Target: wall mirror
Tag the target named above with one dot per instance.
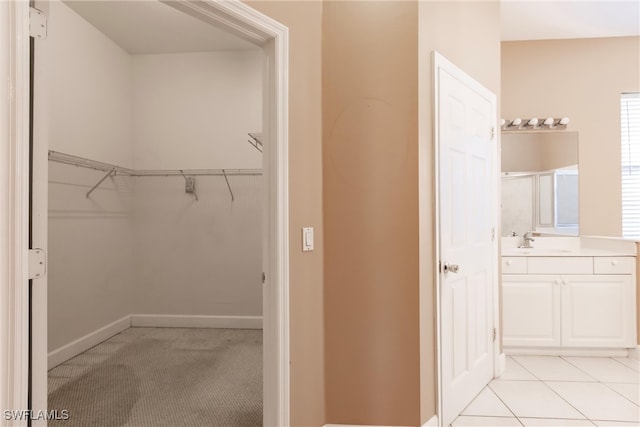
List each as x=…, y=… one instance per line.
x=539, y=182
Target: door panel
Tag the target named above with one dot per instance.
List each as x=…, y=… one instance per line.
x=465, y=119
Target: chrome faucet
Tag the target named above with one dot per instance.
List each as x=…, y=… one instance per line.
x=527, y=239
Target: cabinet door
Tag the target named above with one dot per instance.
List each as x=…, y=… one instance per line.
x=598, y=311
x=531, y=310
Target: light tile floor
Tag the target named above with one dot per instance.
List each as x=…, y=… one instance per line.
x=559, y=392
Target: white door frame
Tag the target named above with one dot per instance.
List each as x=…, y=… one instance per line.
x=14, y=206
x=233, y=16
x=440, y=62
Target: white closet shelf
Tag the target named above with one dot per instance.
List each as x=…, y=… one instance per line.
x=111, y=169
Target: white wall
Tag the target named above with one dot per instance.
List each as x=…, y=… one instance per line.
x=194, y=110
x=90, y=89
x=91, y=249
x=199, y=258
x=142, y=245
x=88, y=85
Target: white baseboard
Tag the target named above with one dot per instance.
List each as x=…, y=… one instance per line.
x=84, y=343
x=433, y=421
x=183, y=321
x=594, y=352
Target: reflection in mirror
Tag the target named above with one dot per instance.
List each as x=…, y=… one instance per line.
x=540, y=183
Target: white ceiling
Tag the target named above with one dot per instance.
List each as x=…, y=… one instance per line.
x=153, y=27
x=568, y=19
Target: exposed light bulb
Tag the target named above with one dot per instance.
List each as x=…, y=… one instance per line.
x=548, y=121
x=516, y=122
x=502, y=122
x=564, y=121
x=532, y=122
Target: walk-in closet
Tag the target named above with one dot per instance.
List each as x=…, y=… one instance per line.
x=153, y=120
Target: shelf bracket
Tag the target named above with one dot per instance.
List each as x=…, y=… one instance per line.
x=111, y=172
x=190, y=185
x=255, y=141
x=228, y=185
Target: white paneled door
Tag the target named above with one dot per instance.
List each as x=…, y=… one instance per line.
x=467, y=181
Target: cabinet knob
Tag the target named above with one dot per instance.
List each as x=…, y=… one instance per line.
x=509, y=262
x=614, y=262
x=564, y=282
x=556, y=282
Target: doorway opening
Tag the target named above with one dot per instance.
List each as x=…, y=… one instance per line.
x=159, y=212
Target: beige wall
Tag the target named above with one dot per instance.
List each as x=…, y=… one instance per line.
x=468, y=34
x=370, y=107
x=305, y=205
x=581, y=79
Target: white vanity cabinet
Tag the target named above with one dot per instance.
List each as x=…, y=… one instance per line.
x=597, y=311
x=530, y=310
x=572, y=302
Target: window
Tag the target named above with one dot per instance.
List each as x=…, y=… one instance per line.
x=630, y=113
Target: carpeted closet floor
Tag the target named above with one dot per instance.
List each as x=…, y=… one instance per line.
x=163, y=377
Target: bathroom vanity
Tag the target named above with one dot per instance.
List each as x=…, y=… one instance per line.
x=569, y=294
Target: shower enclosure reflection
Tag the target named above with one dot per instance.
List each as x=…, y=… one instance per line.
x=540, y=183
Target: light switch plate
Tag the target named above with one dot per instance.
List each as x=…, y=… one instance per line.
x=307, y=239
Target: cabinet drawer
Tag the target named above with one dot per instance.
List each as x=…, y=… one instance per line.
x=614, y=265
x=514, y=265
x=560, y=265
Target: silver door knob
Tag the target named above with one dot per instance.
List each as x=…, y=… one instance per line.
x=450, y=268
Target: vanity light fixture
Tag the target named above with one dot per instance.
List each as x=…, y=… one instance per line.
x=515, y=122
x=519, y=124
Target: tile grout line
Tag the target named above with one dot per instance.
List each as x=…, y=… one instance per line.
x=620, y=394
x=581, y=370
x=525, y=368
x=504, y=403
x=626, y=366
x=568, y=403
x=546, y=385
x=604, y=383
x=469, y=404
x=562, y=419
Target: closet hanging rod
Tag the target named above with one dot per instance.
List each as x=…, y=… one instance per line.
x=198, y=172
x=69, y=159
